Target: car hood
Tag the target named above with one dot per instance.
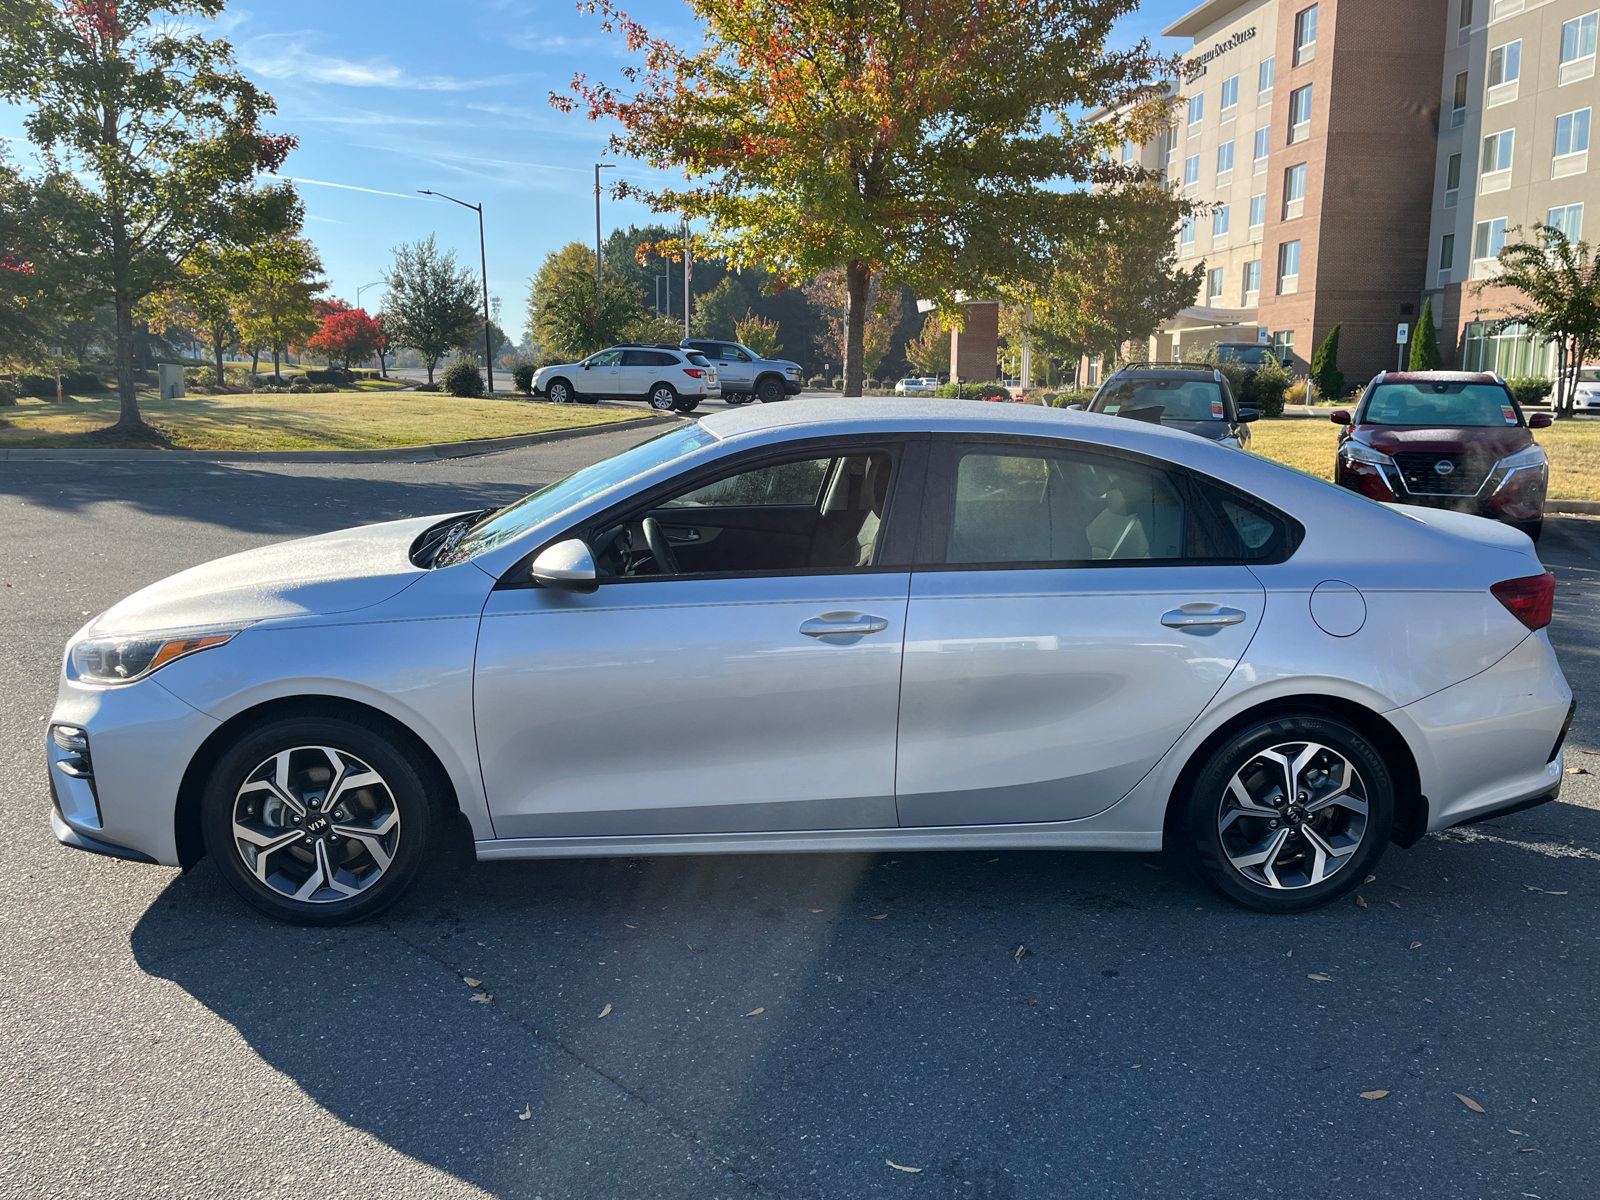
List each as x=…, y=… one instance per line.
x=316, y=576
x=1495, y=441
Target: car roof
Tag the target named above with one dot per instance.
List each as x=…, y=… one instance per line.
x=1436, y=377
x=1192, y=374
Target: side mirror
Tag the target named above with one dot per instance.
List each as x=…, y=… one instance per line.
x=585, y=366
x=1340, y=416
x=1076, y=408
x=567, y=567
x=1246, y=415
x=1540, y=421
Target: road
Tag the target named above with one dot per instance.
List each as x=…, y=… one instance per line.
x=1150, y=1041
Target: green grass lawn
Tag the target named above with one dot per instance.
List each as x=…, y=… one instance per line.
x=326, y=421
x=1309, y=443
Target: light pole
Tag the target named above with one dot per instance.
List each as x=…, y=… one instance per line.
x=598, y=167
x=483, y=262
x=363, y=288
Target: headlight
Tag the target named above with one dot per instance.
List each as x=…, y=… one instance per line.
x=1356, y=452
x=127, y=658
x=1533, y=456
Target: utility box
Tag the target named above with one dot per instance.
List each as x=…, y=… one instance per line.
x=170, y=378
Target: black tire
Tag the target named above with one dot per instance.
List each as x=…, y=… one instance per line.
x=688, y=404
x=771, y=390
x=559, y=391
x=733, y=399
x=585, y=398
x=294, y=859
x=662, y=397
x=1218, y=831
x=1532, y=528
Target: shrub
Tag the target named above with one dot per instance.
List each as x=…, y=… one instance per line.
x=8, y=393
x=1425, y=354
x=462, y=378
x=522, y=377
x=1068, y=399
x=269, y=388
x=300, y=388
x=816, y=383
x=335, y=375
x=44, y=386
x=1325, y=371
x=426, y=387
x=325, y=387
x=973, y=391
x=1529, y=389
x=1297, y=392
x=1265, y=389
x=838, y=383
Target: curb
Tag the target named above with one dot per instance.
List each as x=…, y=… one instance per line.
x=1579, y=508
x=435, y=452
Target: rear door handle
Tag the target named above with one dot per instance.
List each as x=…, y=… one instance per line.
x=843, y=624
x=1195, y=616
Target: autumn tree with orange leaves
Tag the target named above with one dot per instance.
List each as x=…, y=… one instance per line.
x=929, y=143
x=162, y=137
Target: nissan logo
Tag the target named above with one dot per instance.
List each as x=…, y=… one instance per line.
x=1443, y=467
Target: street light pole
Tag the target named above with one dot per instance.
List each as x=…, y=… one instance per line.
x=364, y=287
x=597, y=285
x=483, y=262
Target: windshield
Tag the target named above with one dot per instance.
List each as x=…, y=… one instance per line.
x=1442, y=403
x=1178, y=399
x=548, y=502
x=1589, y=375
x=1250, y=355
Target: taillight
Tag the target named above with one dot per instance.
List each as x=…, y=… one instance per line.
x=694, y=371
x=1529, y=599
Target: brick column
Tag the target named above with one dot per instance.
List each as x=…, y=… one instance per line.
x=975, y=350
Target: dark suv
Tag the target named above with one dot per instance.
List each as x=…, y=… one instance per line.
x=1446, y=439
x=1195, y=399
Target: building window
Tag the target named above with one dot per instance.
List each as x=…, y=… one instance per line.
x=1512, y=353
x=1288, y=268
x=1497, y=148
x=1489, y=239
x=1305, y=35
x=1224, y=158
x=1263, y=148
x=1264, y=75
x=1220, y=220
x=1466, y=14
x=1568, y=219
x=1294, y=192
x=1258, y=211
x=1197, y=109
x=1300, y=114
x=1191, y=170
x=1283, y=345
x=1505, y=64
x=1572, y=132
x=1127, y=152
x=1169, y=150
x=1452, y=182
x=1458, y=103
x=1230, y=93
x=1447, y=252
x=1186, y=234
x=1214, y=290
x=1252, y=281
x=1578, y=37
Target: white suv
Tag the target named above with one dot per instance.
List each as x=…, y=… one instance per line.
x=670, y=378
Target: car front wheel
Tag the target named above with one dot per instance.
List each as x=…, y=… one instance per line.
x=559, y=392
x=770, y=390
x=1290, y=813
x=663, y=397
x=318, y=820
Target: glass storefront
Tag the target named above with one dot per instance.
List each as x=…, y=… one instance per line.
x=1512, y=353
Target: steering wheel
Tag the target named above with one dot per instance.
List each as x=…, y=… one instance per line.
x=660, y=549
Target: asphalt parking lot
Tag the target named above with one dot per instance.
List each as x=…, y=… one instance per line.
x=830, y=1026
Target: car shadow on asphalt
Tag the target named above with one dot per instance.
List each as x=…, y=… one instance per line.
x=705, y=1026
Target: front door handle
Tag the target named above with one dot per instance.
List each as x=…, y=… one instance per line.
x=843, y=624
x=1196, y=616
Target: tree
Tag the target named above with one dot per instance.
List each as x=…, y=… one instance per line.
x=758, y=334
x=829, y=292
x=1425, y=354
x=562, y=316
x=350, y=335
x=929, y=351
x=1325, y=371
x=1560, y=284
x=204, y=296
x=921, y=141
x=432, y=303
x=279, y=307
x=716, y=312
x=163, y=131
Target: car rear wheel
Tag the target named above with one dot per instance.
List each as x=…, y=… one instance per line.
x=559, y=392
x=318, y=820
x=770, y=390
x=1290, y=813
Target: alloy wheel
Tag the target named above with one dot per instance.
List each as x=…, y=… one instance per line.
x=316, y=824
x=663, y=399
x=558, y=393
x=1294, y=815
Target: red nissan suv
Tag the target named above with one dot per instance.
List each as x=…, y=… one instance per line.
x=1446, y=439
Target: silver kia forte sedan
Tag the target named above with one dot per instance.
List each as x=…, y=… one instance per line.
x=839, y=625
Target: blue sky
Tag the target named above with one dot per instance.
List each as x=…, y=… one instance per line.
x=391, y=97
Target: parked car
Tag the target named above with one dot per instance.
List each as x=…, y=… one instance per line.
x=1250, y=354
x=1446, y=439
x=669, y=378
x=917, y=385
x=1195, y=399
x=745, y=375
x=922, y=625
x=1586, y=392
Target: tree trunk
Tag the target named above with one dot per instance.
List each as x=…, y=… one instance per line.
x=432, y=362
x=129, y=417
x=216, y=341
x=858, y=281
x=255, y=364
x=277, y=376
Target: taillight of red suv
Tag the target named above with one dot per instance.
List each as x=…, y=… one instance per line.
x=1529, y=599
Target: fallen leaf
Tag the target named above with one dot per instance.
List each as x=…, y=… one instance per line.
x=1577, y=770
x=907, y=1170
x=526, y=1113
x=992, y=860
x=1152, y=866
x=1136, y=1066
x=1525, y=1150
x=813, y=910
x=1396, y=903
x=879, y=917
x=1470, y=1103
x=755, y=1012
x=482, y=998
x=470, y=981
x=1031, y=1003
x=1402, y=887
x=1022, y=953
x=1321, y=978
x=1379, y=1094
x=604, y=1012
x=1361, y=901
x=1531, y=888
x=1290, y=954
x=630, y=926
x=1369, y=879
x=1518, y=1132
x=1416, y=945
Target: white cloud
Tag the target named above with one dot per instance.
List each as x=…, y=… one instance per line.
x=293, y=63
x=347, y=187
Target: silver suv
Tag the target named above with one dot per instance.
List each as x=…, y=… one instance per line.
x=746, y=376
x=669, y=378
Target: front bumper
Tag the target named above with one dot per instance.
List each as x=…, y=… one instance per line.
x=1516, y=495
x=794, y=387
